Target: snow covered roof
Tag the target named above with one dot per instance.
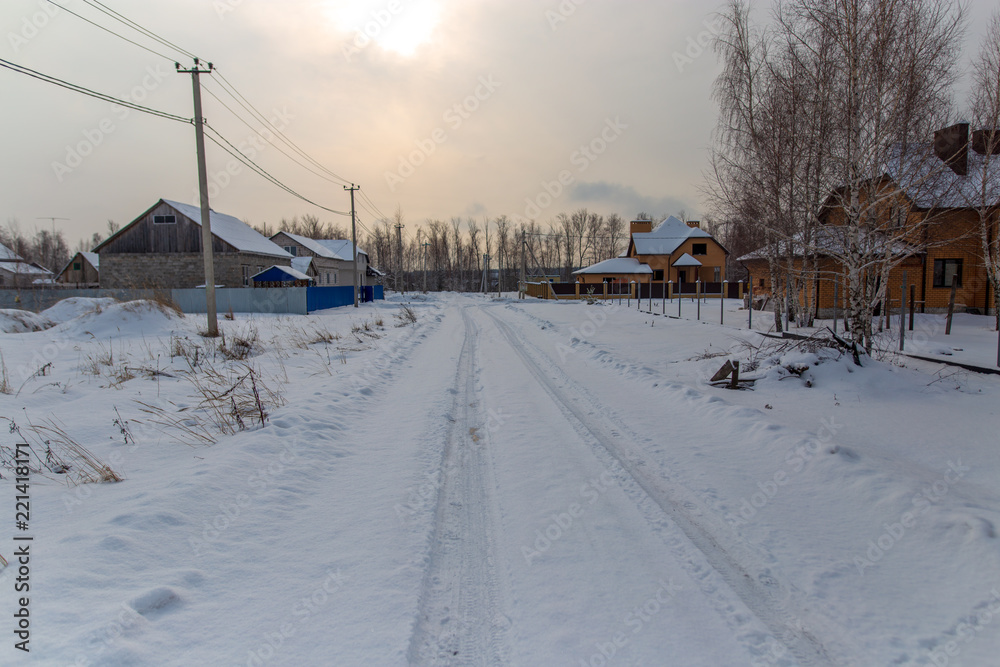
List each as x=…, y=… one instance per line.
x=667, y=237
x=8, y=255
x=232, y=230
x=832, y=240
x=23, y=269
x=302, y=264
x=331, y=248
x=287, y=270
x=342, y=249
x=686, y=260
x=93, y=258
x=617, y=265
x=929, y=182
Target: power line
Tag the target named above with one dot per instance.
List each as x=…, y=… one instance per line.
x=121, y=18
x=238, y=154
x=259, y=134
x=250, y=108
x=87, y=91
x=109, y=30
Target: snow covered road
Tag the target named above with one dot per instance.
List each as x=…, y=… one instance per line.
x=492, y=487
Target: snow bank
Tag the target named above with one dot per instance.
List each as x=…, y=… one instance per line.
x=13, y=320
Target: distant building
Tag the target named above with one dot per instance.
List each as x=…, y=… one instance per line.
x=934, y=230
x=81, y=271
x=162, y=249
x=15, y=271
x=331, y=260
x=674, y=251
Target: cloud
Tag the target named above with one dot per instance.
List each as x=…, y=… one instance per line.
x=625, y=198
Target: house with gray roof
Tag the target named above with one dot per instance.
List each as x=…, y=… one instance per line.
x=162, y=248
x=15, y=271
x=330, y=260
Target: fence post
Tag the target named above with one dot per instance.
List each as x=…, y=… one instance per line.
x=913, y=300
x=679, y=300
x=605, y=288
x=750, y=304
x=697, y=296
x=722, y=299
x=836, y=304
x=650, y=296
x=902, y=313
x=951, y=306
x=741, y=291
x=577, y=291
x=663, y=298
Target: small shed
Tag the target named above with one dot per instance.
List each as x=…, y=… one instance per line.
x=82, y=270
x=281, y=276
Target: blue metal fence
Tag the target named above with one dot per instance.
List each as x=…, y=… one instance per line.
x=321, y=298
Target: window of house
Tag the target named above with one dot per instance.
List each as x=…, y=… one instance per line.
x=760, y=282
x=658, y=275
x=334, y=277
x=76, y=266
x=328, y=278
x=164, y=219
x=292, y=250
x=946, y=270
x=717, y=276
x=699, y=248
x=246, y=274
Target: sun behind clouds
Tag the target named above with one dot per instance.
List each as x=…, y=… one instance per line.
x=400, y=26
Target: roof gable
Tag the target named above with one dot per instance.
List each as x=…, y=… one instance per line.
x=666, y=238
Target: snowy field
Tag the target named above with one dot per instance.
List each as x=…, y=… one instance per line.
x=497, y=482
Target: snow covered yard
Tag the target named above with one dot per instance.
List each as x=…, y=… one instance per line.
x=498, y=482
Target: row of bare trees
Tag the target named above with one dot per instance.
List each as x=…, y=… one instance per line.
x=816, y=108
x=471, y=254
x=42, y=246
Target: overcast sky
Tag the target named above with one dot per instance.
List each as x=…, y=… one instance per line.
x=450, y=108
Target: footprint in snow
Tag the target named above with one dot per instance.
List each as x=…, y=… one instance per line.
x=156, y=602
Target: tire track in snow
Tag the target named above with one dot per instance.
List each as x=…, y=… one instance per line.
x=766, y=597
x=462, y=610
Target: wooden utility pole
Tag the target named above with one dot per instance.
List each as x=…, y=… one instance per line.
x=206, y=212
x=524, y=264
x=424, y=246
x=354, y=240
x=401, y=283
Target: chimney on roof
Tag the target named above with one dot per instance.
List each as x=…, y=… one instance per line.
x=696, y=224
x=952, y=145
x=640, y=226
x=986, y=142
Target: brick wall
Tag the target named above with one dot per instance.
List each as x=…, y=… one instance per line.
x=178, y=270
